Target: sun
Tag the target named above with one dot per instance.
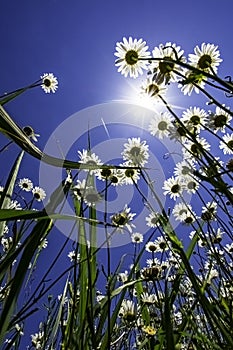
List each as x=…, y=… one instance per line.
x=131, y=93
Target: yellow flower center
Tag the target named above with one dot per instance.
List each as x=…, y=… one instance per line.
x=204, y=61
x=152, y=90
x=129, y=173
x=230, y=144
x=166, y=67
x=162, y=125
x=120, y=219
x=220, y=120
x=47, y=82
x=195, y=120
x=135, y=151
x=131, y=57
x=175, y=188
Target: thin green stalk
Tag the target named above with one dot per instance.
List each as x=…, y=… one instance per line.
x=6, y=195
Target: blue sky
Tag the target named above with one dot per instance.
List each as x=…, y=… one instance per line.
x=76, y=41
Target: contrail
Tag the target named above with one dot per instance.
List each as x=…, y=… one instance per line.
x=105, y=127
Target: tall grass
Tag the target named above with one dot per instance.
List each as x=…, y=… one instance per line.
x=177, y=292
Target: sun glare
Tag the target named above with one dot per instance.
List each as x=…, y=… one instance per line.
x=132, y=93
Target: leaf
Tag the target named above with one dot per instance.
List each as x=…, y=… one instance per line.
x=5, y=198
x=15, y=133
x=40, y=230
x=54, y=332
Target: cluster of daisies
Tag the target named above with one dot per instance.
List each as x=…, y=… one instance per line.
x=38, y=194
x=165, y=64
x=186, y=178
x=206, y=221
x=211, y=261
x=158, y=275
x=134, y=155
x=26, y=185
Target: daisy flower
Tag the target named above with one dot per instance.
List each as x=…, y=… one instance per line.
x=192, y=82
x=38, y=193
x=114, y=176
x=151, y=89
x=105, y=174
x=49, y=83
x=117, y=177
x=206, y=57
x=151, y=247
x=174, y=260
x=194, y=117
x=5, y=230
x=123, y=276
x=229, y=248
x=130, y=176
x=30, y=133
x=152, y=262
x=178, y=132
x=190, y=184
x=213, y=168
x=14, y=205
x=210, y=274
x=217, y=235
x=137, y=238
x=151, y=273
x=44, y=243
x=6, y=243
x=183, y=213
x=161, y=244
x=73, y=256
x=180, y=210
x=219, y=120
x=123, y=218
x=178, y=318
x=153, y=220
x=38, y=340
x=25, y=184
x=19, y=329
x=87, y=193
x=128, y=311
x=99, y=297
x=91, y=196
x=148, y=299
x=160, y=125
x=173, y=187
x=128, y=53
x=69, y=179
x=195, y=149
x=136, y=151
x=209, y=211
x=79, y=189
x=184, y=168
x=165, y=70
x=213, y=251
x=227, y=144
x=201, y=242
x=88, y=158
